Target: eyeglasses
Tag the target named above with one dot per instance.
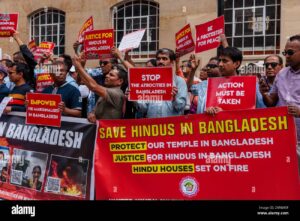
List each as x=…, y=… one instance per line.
x=273, y=64
x=210, y=66
x=288, y=52
x=103, y=63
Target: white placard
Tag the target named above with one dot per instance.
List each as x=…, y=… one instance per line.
x=132, y=40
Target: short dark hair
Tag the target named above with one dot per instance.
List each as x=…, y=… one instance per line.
x=274, y=55
x=152, y=61
x=168, y=51
x=214, y=59
x=294, y=38
x=67, y=60
x=21, y=68
x=232, y=52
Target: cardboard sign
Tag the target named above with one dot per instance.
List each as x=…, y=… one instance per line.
x=208, y=34
x=98, y=43
x=131, y=40
x=87, y=26
x=184, y=41
x=43, y=109
x=8, y=23
x=150, y=84
x=234, y=155
x=231, y=93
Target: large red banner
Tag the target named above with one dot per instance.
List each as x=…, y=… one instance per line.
x=46, y=163
x=231, y=93
x=241, y=155
x=42, y=109
x=150, y=84
x=8, y=24
x=98, y=43
x=184, y=40
x=207, y=34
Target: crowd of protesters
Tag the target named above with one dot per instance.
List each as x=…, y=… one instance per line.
x=101, y=92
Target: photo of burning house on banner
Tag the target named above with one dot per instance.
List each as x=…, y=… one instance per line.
x=4, y=161
x=28, y=169
x=67, y=176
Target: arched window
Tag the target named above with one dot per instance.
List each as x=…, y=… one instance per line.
x=253, y=25
x=49, y=25
x=134, y=15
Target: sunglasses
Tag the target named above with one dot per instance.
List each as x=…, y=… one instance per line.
x=288, y=52
x=103, y=63
x=273, y=64
x=209, y=66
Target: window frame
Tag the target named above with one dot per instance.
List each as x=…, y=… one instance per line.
x=58, y=22
x=120, y=9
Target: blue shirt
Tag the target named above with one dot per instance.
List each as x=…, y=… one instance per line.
x=70, y=95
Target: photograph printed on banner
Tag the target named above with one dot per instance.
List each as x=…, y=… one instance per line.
x=4, y=162
x=67, y=176
x=28, y=169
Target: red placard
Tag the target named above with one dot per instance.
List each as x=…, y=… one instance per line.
x=207, y=34
x=8, y=24
x=43, y=109
x=43, y=80
x=240, y=155
x=231, y=93
x=98, y=43
x=150, y=84
x=87, y=26
x=184, y=40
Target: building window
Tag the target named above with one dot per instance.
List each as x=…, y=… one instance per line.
x=135, y=15
x=253, y=25
x=49, y=25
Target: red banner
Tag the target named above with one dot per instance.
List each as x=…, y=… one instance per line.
x=184, y=40
x=8, y=23
x=207, y=34
x=32, y=46
x=46, y=163
x=43, y=80
x=98, y=43
x=87, y=26
x=44, y=48
x=43, y=109
x=150, y=84
x=231, y=93
x=240, y=155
